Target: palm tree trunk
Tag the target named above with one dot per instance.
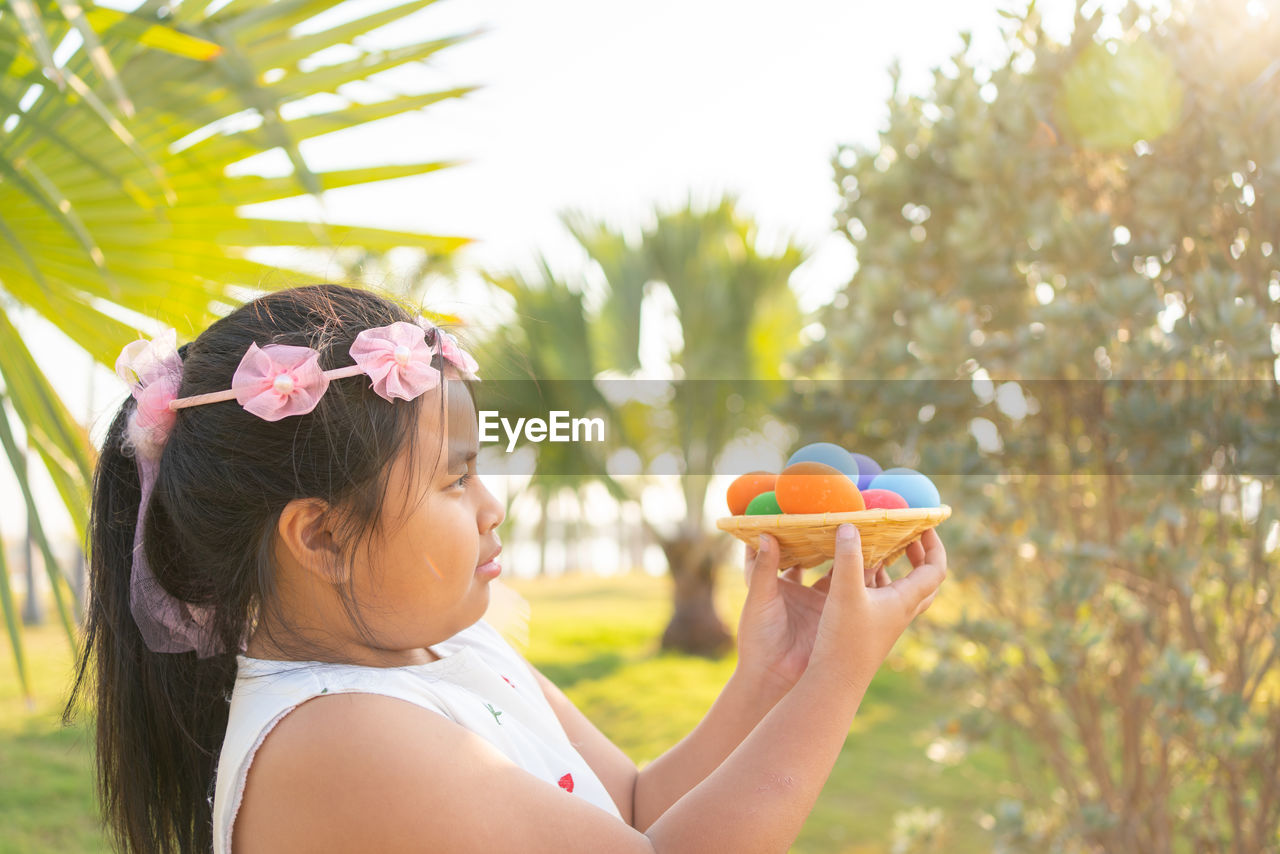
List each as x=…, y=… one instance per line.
x=695, y=627
x=573, y=536
x=640, y=544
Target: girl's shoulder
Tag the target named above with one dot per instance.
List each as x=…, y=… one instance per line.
x=366, y=773
x=483, y=693
x=329, y=734
x=284, y=703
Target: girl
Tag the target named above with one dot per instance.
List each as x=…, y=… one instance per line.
x=291, y=560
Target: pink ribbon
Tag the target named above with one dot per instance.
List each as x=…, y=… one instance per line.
x=153, y=370
x=279, y=380
x=398, y=360
x=167, y=624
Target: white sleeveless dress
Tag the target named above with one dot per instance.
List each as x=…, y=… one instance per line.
x=481, y=682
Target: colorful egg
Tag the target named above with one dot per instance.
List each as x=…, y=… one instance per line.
x=883, y=499
x=747, y=487
x=828, y=454
x=911, y=485
x=813, y=487
x=764, y=504
x=867, y=470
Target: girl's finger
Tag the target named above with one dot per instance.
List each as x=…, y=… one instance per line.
x=917, y=585
x=934, y=552
x=924, y=606
x=823, y=584
x=794, y=573
x=762, y=578
x=915, y=553
x=846, y=587
x=882, y=577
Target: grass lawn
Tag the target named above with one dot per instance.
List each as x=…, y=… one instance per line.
x=597, y=639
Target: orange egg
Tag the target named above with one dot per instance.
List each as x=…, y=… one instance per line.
x=747, y=487
x=809, y=487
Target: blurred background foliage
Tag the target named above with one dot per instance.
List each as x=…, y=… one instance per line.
x=117, y=207
x=1092, y=212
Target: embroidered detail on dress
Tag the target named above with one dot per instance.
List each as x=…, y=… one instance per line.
x=494, y=712
x=566, y=782
x=508, y=681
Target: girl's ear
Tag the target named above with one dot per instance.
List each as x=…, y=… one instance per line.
x=304, y=538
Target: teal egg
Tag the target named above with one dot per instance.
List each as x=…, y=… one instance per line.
x=764, y=504
x=917, y=489
x=829, y=454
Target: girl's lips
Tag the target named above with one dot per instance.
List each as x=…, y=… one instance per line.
x=491, y=567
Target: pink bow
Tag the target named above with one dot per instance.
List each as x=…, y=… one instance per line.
x=397, y=359
x=279, y=380
x=460, y=358
x=153, y=370
x=452, y=353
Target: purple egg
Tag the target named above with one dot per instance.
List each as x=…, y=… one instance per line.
x=867, y=470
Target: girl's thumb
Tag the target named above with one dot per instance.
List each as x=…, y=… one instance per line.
x=847, y=581
x=762, y=575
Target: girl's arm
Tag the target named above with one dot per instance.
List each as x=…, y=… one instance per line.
x=366, y=772
x=614, y=768
x=642, y=796
x=742, y=704
x=771, y=642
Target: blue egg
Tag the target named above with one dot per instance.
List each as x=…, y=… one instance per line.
x=867, y=470
x=826, y=452
x=911, y=485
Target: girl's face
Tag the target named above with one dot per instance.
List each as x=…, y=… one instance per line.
x=418, y=583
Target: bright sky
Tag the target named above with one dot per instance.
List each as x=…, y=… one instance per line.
x=613, y=108
x=616, y=107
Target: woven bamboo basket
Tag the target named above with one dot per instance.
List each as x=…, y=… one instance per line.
x=808, y=539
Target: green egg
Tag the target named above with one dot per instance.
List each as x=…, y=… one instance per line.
x=764, y=504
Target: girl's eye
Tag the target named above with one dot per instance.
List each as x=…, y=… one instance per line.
x=462, y=481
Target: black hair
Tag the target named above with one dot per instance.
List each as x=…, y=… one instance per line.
x=223, y=479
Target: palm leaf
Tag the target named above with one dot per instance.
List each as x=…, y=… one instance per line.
x=101, y=61
x=150, y=33
x=56, y=580
x=13, y=623
x=103, y=212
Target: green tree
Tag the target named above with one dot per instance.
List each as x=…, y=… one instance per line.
x=1045, y=250
x=737, y=318
x=115, y=198
x=548, y=340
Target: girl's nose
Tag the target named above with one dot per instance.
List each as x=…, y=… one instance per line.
x=492, y=511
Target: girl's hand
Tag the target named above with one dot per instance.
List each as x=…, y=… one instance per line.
x=781, y=615
x=860, y=625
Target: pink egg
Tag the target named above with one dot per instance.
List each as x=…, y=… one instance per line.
x=883, y=499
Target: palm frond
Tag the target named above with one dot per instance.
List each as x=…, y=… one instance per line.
x=115, y=196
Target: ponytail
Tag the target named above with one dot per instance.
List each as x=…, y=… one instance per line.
x=160, y=717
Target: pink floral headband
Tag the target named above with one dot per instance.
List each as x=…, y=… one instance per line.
x=271, y=382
